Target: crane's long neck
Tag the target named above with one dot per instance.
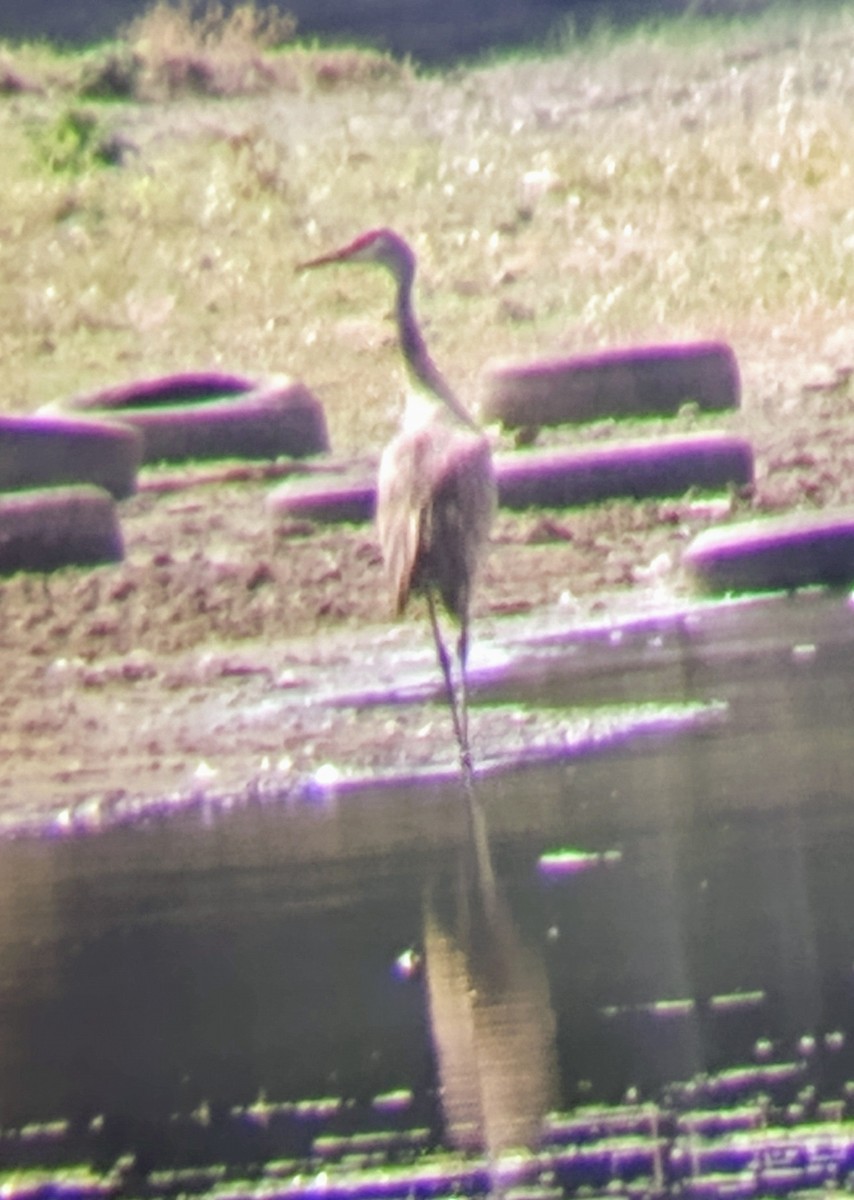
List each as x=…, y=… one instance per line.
x=421, y=367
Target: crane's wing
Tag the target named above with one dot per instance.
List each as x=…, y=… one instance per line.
x=403, y=496
x=435, y=502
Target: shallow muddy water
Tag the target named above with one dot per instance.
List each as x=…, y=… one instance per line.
x=639, y=968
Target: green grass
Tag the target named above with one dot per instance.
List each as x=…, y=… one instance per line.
x=690, y=179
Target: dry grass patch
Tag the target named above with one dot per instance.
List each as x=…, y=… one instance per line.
x=179, y=49
x=174, y=49
x=688, y=181
x=182, y=49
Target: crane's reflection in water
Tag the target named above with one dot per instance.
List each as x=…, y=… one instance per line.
x=490, y=1008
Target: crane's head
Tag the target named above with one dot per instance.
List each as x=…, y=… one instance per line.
x=382, y=246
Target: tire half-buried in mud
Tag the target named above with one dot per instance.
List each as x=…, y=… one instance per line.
x=48, y=528
x=47, y=450
x=209, y=415
x=634, y=470
x=635, y=382
x=552, y=478
x=775, y=553
x=347, y=501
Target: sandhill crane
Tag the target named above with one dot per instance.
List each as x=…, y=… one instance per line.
x=436, y=490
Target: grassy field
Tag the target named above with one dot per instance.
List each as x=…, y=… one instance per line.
x=690, y=179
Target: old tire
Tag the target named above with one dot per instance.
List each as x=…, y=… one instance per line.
x=184, y=387
x=351, y=501
x=638, y=470
x=42, y=451
x=45, y=529
x=552, y=478
x=210, y=415
x=775, y=553
x=637, y=382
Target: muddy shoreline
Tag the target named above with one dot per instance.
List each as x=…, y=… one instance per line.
x=175, y=671
x=196, y=668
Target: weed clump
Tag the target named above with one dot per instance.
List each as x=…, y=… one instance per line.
x=351, y=67
x=201, y=48
x=179, y=49
x=113, y=74
x=13, y=81
x=76, y=140
x=175, y=49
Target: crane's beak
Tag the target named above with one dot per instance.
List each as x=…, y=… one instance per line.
x=335, y=256
x=363, y=249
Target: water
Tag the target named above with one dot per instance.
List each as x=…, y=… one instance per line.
x=652, y=962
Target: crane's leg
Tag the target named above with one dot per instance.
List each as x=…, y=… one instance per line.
x=463, y=655
x=458, y=715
